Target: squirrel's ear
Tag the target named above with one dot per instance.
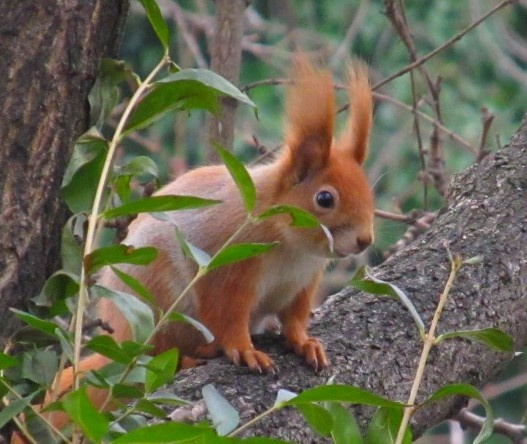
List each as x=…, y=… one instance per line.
x=355, y=138
x=310, y=114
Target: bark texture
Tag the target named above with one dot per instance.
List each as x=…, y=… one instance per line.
x=226, y=56
x=373, y=343
x=50, y=52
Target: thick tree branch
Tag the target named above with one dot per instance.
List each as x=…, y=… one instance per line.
x=372, y=341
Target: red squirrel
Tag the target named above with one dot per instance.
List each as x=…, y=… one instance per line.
x=315, y=172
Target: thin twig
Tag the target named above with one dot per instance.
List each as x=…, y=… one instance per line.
x=516, y=432
x=429, y=341
x=445, y=45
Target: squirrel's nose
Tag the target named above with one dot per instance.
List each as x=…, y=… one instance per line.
x=364, y=241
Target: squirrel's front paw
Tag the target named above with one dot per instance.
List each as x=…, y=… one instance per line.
x=256, y=360
x=313, y=352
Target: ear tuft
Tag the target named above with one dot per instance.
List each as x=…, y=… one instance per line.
x=356, y=136
x=310, y=114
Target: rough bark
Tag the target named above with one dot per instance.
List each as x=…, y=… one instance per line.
x=373, y=343
x=226, y=55
x=50, y=52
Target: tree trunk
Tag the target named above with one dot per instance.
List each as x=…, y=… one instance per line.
x=373, y=343
x=226, y=56
x=50, y=52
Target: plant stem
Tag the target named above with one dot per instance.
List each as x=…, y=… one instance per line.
x=93, y=219
x=429, y=341
x=253, y=421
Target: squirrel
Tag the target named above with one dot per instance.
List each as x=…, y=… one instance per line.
x=316, y=173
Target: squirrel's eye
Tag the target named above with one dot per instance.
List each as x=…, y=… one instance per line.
x=325, y=199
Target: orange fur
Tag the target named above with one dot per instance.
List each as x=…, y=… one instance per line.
x=234, y=301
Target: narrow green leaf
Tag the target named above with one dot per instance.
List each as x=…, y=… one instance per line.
x=238, y=252
x=300, y=218
x=127, y=392
x=14, y=408
x=84, y=169
x=156, y=20
x=345, y=428
x=472, y=392
x=118, y=254
x=491, y=337
x=59, y=286
x=240, y=175
x=7, y=361
x=80, y=409
x=224, y=416
x=341, y=393
x=168, y=432
x=138, y=314
x=39, y=366
x=318, y=418
x=140, y=166
x=364, y=281
x=106, y=346
x=148, y=407
x=48, y=327
x=191, y=251
x=180, y=317
x=70, y=250
x=158, y=203
x=161, y=369
x=105, y=93
x=134, y=285
x=384, y=427
x=185, y=90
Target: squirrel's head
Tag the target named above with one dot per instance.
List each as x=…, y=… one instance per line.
x=324, y=175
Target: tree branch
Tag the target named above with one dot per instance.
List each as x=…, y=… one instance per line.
x=372, y=342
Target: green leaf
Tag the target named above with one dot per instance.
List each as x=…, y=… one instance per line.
x=138, y=314
x=14, y=408
x=106, y=346
x=126, y=392
x=191, y=251
x=140, y=166
x=80, y=409
x=491, y=337
x=7, y=361
x=84, y=170
x=238, y=252
x=317, y=417
x=105, y=93
x=224, y=416
x=39, y=366
x=158, y=203
x=180, y=317
x=384, y=427
x=118, y=254
x=48, y=327
x=341, y=393
x=148, y=407
x=70, y=251
x=161, y=369
x=156, y=20
x=185, y=90
x=168, y=432
x=134, y=285
x=364, y=281
x=345, y=429
x=300, y=218
x=472, y=392
x=59, y=286
x=240, y=175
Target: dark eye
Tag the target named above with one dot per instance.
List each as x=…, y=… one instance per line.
x=325, y=199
